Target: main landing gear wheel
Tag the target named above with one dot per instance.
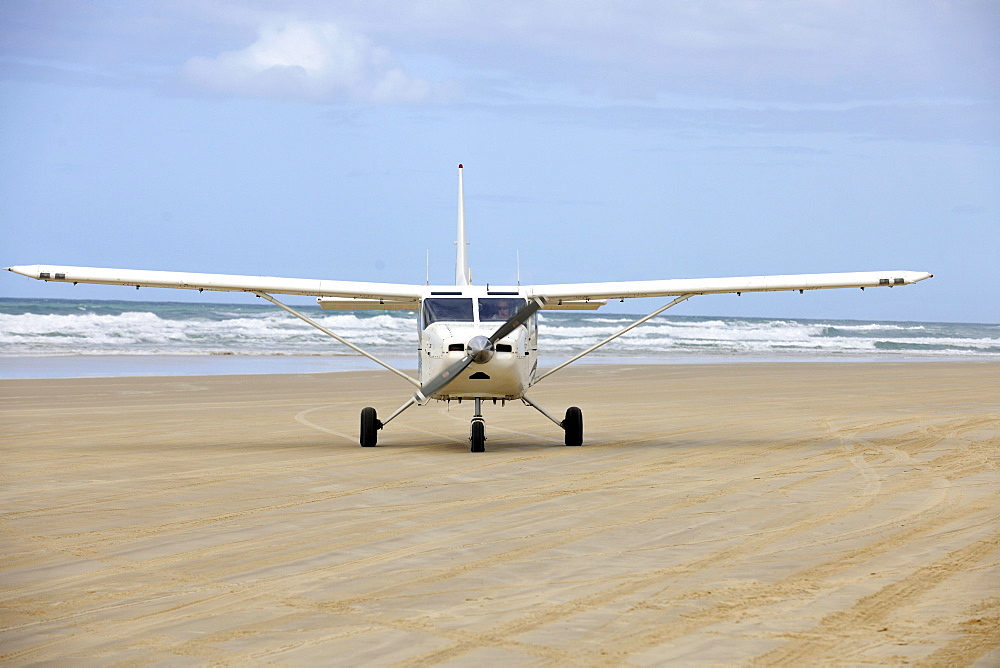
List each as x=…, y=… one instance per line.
x=478, y=437
x=573, y=425
x=369, y=427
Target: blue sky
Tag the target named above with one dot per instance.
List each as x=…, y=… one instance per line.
x=601, y=140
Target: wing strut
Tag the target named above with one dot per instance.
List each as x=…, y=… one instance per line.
x=613, y=337
x=347, y=343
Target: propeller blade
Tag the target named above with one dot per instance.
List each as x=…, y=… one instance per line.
x=440, y=381
x=518, y=318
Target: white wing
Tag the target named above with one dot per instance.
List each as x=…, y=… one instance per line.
x=704, y=286
x=395, y=292
x=407, y=296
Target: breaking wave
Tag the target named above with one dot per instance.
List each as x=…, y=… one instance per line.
x=78, y=327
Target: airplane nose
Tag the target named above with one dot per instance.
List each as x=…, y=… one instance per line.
x=481, y=349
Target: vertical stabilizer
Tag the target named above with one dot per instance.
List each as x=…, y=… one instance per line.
x=461, y=263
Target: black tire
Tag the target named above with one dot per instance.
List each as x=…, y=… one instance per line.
x=478, y=438
x=369, y=427
x=573, y=425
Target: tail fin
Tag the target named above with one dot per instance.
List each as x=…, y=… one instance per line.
x=462, y=274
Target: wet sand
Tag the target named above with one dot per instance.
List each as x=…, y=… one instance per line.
x=781, y=514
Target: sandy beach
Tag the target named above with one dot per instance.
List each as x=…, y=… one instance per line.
x=776, y=514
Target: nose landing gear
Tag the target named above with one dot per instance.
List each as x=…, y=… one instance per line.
x=477, y=438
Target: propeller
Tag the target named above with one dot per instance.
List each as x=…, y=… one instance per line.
x=479, y=349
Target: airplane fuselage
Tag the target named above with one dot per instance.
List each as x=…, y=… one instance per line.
x=458, y=322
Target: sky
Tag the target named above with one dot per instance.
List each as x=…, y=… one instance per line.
x=602, y=141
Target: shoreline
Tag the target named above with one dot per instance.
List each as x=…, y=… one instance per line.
x=128, y=366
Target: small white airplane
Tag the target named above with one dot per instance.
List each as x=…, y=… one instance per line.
x=476, y=342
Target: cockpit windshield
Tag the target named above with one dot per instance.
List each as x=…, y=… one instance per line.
x=498, y=309
x=452, y=310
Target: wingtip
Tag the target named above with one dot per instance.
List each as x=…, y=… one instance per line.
x=31, y=271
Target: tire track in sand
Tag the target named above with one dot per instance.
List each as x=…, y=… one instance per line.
x=839, y=629
x=805, y=583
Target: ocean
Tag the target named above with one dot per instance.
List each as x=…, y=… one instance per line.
x=51, y=338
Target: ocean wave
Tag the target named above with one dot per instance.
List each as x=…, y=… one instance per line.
x=875, y=327
x=70, y=327
x=143, y=332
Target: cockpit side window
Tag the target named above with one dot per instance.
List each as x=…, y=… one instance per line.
x=451, y=310
x=498, y=309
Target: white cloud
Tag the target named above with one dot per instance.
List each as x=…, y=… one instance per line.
x=596, y=51
x=309, y=61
